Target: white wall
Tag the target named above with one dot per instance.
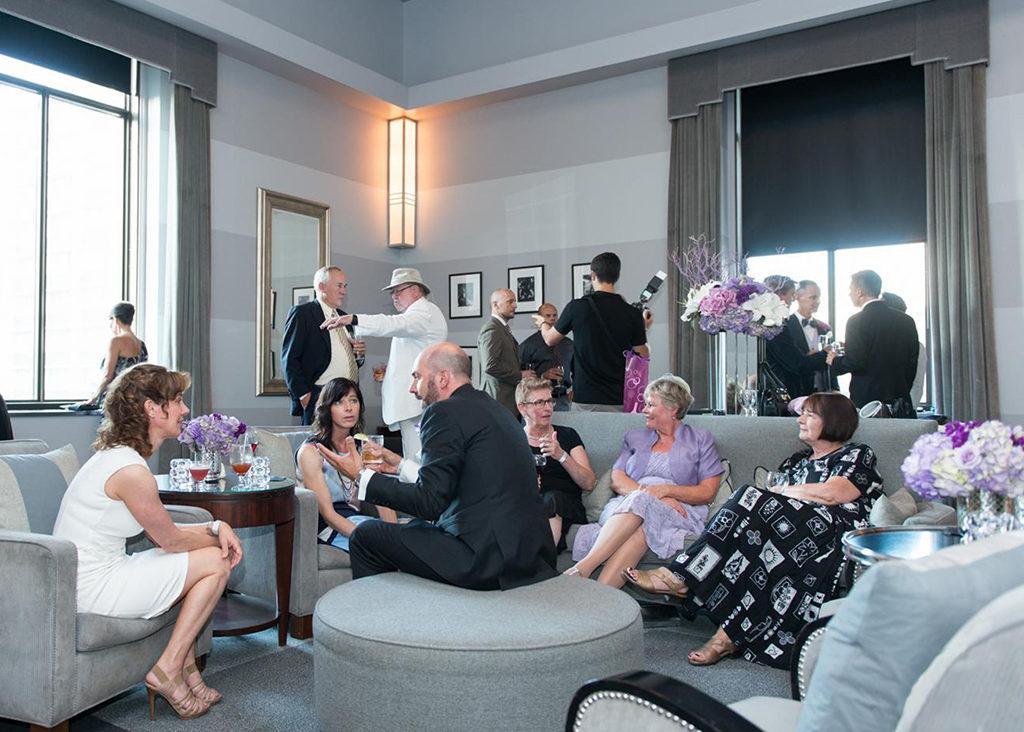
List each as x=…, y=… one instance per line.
x=550, y=179
x=1005, y=130
x=267, y=131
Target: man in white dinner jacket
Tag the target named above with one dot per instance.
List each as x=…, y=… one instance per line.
x=419, y=324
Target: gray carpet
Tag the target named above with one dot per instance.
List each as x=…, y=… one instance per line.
x=270, y=688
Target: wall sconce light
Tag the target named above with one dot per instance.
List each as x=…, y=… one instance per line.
x=402, y=182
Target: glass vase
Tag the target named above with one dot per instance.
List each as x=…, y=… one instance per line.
x=984, y=513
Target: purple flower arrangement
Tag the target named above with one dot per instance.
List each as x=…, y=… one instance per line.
x=963, y=457
x=214, y=432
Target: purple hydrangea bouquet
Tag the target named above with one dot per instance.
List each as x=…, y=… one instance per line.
x=211, y=436
x=739, y=304
x=981, y=464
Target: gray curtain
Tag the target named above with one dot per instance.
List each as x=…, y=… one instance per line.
x=693, y=209
x=961, y=335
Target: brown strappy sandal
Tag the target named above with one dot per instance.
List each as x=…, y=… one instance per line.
x=660, y=581
x=202, y=692
x=713, y=651
x=188, y=707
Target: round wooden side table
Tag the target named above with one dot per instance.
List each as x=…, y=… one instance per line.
x=244, y=507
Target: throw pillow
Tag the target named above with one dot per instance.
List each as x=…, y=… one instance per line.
x=32, y=487
x=896, y=620
x=894, y=509
x=278, y=448
x=594, y=501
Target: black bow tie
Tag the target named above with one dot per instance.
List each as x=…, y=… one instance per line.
x=804, y=322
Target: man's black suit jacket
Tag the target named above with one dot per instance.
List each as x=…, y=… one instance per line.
x=306, y=350
x=787, y=355
x=881, y=354
x=477, y=482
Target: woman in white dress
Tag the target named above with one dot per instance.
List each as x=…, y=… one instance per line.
x=114, y=497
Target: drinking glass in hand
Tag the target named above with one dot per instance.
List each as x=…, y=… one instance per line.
x=373, y=450
x=776, y=481
x=241, y=461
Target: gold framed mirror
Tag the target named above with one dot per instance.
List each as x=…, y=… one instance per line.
x=291, y=246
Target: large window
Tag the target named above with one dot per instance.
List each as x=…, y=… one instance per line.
x=901, y=267
x=64, y=218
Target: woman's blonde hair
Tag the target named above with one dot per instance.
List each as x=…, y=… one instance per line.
x=126, y=423
x=673, y=391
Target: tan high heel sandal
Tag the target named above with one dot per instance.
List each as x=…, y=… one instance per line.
x=713, y=651
x=660, y=581
x=188, y=707
x=201, y=691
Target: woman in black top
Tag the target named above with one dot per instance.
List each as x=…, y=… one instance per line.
x=566, y=470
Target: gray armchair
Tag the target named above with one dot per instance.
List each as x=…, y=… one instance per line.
x=58, y=662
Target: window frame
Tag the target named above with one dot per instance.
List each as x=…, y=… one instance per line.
x=128, y=116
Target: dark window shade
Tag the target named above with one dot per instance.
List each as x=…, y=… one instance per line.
x=834, y=160
x=43, y=47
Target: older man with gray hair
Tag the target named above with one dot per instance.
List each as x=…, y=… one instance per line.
x=418, y=324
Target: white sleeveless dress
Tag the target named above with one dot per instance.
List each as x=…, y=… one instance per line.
x=111, y=582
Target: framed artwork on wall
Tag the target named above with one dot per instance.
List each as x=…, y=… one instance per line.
x=528, y=285
x=474, y=364
x=464, y=297
x=302, y=295
x=581, y=284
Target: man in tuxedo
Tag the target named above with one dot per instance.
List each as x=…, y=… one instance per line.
x=481, y=524
x=808, y=300
x=499, y=352
x=310, y=357
x=787, y=354
x=881, y=348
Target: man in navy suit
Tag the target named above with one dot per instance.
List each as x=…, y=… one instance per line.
x=480, y=523
x=310, y=357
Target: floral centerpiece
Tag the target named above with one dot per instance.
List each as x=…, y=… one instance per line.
x=981, y=464
x=211, y=437
x=738, y=304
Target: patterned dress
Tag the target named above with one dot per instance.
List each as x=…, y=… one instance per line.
x=766, y=563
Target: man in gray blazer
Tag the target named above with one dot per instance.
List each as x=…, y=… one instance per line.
x=499, y=352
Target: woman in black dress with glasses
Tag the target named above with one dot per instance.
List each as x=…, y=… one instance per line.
x=771, y=557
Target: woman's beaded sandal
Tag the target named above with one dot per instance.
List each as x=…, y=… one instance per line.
x=660, y=581
x=202, y=692
x=187, y=707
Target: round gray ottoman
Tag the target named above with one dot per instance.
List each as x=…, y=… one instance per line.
x=396, y=652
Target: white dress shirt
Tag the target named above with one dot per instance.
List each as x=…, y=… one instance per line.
x=421, y=325
x=408, y=472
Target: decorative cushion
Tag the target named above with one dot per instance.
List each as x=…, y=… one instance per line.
x=932, y=513
x=23, y=447
x=32, y=487
x=594, y=501
x=894, y=509
x=893, y=625
x=724, y=489
x=278, y=448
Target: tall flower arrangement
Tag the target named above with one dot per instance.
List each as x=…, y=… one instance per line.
x=738, y=304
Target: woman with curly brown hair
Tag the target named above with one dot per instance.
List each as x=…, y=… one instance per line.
x=114, y=497
x=338, y=415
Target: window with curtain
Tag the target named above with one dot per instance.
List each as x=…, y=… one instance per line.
x=64, y=213
x=833, y=182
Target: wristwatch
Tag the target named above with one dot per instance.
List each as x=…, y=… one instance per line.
x=214, y=528
x=565, y=456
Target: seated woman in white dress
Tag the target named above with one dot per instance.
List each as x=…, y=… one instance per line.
x=114, y=497
x=338, y=414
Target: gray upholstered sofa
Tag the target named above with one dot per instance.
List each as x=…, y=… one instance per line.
x=57, y=662
x=929, y=644
x=750, y=442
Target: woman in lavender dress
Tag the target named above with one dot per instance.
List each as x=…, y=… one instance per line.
x=665, y=477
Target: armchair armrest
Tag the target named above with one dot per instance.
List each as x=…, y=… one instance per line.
x=807, y=649
x=179, y=515
x=37, y=626
x=636, y=699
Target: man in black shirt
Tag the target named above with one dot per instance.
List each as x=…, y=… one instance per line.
x=604, y=326
x=551, y=363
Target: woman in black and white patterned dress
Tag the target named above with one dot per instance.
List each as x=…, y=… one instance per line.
x=771, y=557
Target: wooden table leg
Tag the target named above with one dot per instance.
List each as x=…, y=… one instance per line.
x=283, y=535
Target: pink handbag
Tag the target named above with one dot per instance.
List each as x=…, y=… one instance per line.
x=638, y=371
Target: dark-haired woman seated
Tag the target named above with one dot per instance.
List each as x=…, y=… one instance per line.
x=338, y=415
x=770, y=558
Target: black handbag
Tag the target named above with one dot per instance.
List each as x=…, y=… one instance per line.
x=772, y=395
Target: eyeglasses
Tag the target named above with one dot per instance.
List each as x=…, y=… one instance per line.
x=401, y=289
x=540, y=403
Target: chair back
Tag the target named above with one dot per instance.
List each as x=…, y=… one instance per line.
x=6, y=429
x=32, y=487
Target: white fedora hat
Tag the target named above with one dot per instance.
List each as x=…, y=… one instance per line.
x=406, y=276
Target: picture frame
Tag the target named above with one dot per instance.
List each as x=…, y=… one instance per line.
x=527, y=283
x=474, y=364
x=579, y=282
x=302, y=295
x=465, y=295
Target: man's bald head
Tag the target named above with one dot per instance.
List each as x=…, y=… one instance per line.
x=438, y=371
x=546, y=313
x=503, y=303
